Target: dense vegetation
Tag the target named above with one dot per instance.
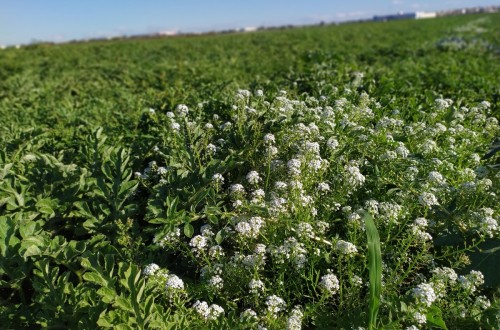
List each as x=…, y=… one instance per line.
x=333, y=177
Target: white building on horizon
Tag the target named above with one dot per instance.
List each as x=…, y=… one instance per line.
x=424, y=14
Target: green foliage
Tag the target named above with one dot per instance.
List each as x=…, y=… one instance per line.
x=187, y=183
x=375, y=269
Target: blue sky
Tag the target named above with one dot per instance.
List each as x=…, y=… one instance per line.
x=24, y=21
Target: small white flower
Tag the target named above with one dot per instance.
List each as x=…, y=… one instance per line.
x=332, y=143
x=216, y=282
x=346, y=248
x=175, y=126
x=294, y=167
x=420, y=318
x=281, y=186
x=323, y=187
x=236, y=189
x=330, y=283
x=150, y=269
x=256, y=286
x=217, y=178
x=208, y=313
x=428, y=199
x=269, y=139
x=211, y=149
x=436, y=178
x=294, y=322
x=174, y=283
x=248, y=314
x=198, y=242
x=445, y=273
x=424, y=294
x=182, y=110
x=275, y=304
x=253, y=177
x=353, y=176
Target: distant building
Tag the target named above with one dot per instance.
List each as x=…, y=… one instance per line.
x=423, y=14
x=168, y=33
x=250, y=29
x=401, y=15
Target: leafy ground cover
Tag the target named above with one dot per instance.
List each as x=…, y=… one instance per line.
x=324, y=177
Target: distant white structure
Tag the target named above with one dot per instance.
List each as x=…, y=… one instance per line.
x=250, y=29
x=423, y=14
x=2, y=47
x=168, y=33
x=401, y=15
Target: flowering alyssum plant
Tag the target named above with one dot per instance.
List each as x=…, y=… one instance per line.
x=289, y=232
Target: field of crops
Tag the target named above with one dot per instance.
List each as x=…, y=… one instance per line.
x=333, y=177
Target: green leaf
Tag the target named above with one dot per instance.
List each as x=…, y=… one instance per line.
x=7, y=235
x=32, y=246
x=123, y=303
x=375, y=269
x=435, y=318
x=219, y=237
x=29, y=228
x=128, y=187
x=124, y=326
x=188, y=229
x=95, y=278
x=108, y=294
x=46, y=206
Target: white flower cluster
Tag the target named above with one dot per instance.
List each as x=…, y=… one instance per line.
x=218, y=179
x=211, y=149
x=182, y=110
x=236, y=189
x=418, y=228
x=256, y=286
x=424, y=294
x=487, y=225
x=323, y=187
x=150, y=269
x=253, y=177
x=346, y=248
x=482, y=302
x=170, y=238
x=330, y=283
x=198, y=244
x=294, y=167
x=471, y=281
x=248, y=315
x=389, y=212
x=420, y=318
x=332, y=143
x=436, y=178
x=275, y=304
x=291, y=250
x=294, y=321
x=211, y=312
x=353, y=177
x=269, y=139
x=173, y=284
x=428, y=199
x=445, y=273
x=216, y=282
x=250, y=228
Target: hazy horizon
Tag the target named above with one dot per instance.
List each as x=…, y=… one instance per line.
x=28, y=21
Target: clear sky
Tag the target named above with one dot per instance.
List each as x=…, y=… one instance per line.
x=25, y=21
